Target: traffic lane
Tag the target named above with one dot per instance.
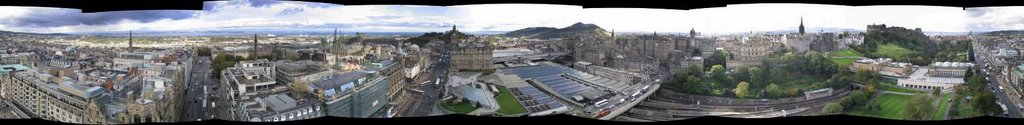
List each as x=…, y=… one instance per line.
x=1002, y=98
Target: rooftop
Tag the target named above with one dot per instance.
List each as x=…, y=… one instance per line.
x=279, y=102
x=13, y=67
x=921, y=75
x=951, y=65
x=338, y=80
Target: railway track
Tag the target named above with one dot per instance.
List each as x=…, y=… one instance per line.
x=661, y=108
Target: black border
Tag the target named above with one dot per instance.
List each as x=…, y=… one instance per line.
x=121, y=5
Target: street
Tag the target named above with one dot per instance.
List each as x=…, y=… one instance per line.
x=425, y=104
x=198, y=92
x=1002, y=90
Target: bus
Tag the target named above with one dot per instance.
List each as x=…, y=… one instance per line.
x=1020, y=107
x=417, y=90
x=1005, y=111
x=204, y=95
x=600, y=103
x=634, y=95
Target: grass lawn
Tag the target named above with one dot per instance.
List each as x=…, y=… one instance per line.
x=843, y=62
x=942, y=107
x=509, y=104
x=893, y=51
x=843, y=58
x=892, y=106
x=889, y=86
x=460, y=108
x=844, y=53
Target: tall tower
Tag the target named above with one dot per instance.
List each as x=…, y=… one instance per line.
x=452, y=36
x=693, y=38
x=130, y=47
x=801, y=25
x=255, y=44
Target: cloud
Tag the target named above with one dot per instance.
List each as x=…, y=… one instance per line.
x=508, y=17
x=230, y=14
x=639, y=20
x=37, y=17
x=928, y=18
x=270, y=14
x=103, y=18
x=985, y=19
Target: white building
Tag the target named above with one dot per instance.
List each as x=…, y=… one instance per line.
x=949, y=69
x=920, y=81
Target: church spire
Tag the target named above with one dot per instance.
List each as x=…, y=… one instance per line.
x=801, y=25
x=130, y=41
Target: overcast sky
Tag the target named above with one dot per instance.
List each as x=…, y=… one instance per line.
x=268, y=14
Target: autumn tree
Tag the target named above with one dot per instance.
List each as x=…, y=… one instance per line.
x=741, y=89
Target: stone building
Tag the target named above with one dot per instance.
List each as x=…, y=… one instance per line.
x=749, y=52
x=472, y=54
x=884, y=66
x=825, y=42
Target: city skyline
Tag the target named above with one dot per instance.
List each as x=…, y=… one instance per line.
x=274, y=61
x=294, y=16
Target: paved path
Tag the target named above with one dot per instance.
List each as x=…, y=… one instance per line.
x=949, y=105
x=848, y=57
x=898, y=93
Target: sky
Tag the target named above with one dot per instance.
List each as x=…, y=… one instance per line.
x=995, y=18
x=325, y=17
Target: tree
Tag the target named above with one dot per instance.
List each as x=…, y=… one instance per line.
x=718, y=73
x=986, y=103
x=741, y=74
x=756, y=79
x=936, y=91
x=697, y=85
x=919, y=108
x=300, y=87
x=857, y=98
x=919, y=61
x=741, y=89
x=717, y=58
x=832, y=108
x=863, y=75
x=838, y=81
x=203, y=51
x=870, y=88
x=873, y=106
x=695, y=70
x=774, y=90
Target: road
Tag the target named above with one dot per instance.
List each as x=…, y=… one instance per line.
x=196, y=96
x=1007, y=96
x=425, y=104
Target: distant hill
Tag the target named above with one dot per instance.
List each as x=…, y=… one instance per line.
x=1006, y=32
x=12, y=32
x=577, y=29
x=529, y=31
